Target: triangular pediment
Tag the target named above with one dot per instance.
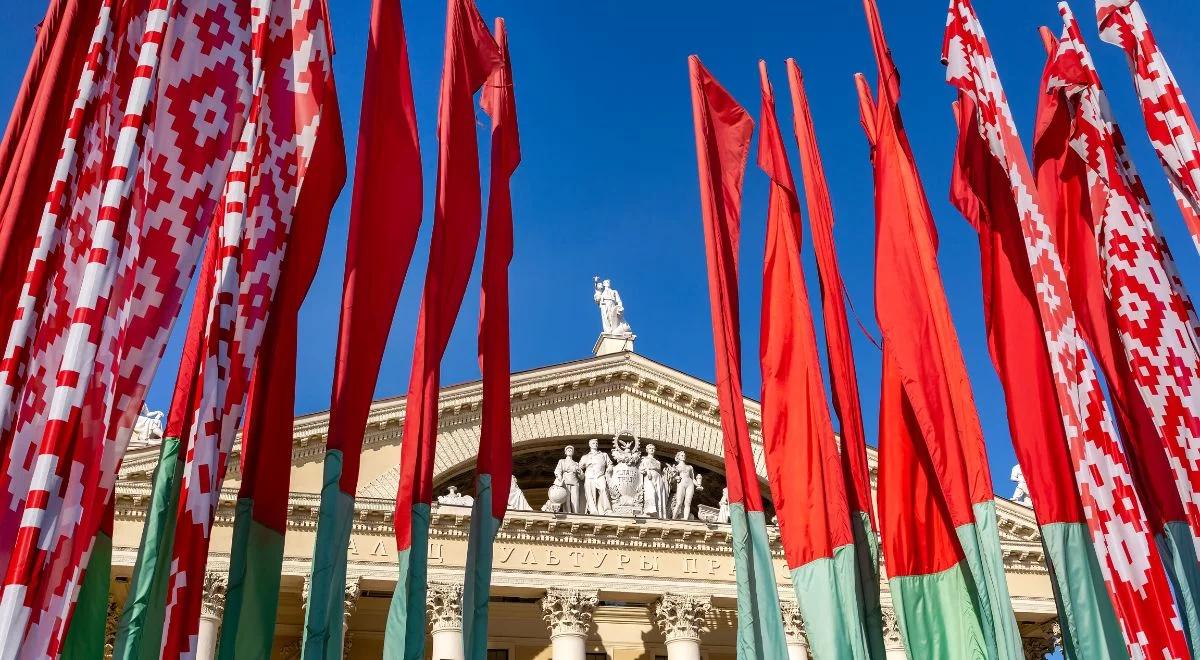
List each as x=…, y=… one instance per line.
x=551, y=406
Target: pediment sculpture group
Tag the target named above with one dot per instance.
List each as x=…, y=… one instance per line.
x=628, y=481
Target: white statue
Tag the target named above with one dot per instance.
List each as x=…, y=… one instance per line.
x=455, y=498
x=596, y=466
x=723, y=511
x=687, y=482
x=568, y=474
x=1021, y=494
x=655, y=490
x=516, y=498
x=148, y=429
x=612, y=310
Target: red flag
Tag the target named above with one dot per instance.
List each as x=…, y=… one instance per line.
x=385, y=217
x=802, y=459
x=917, y=530
x=471, y=55
x=723, y=131
x=843, y=378
x=914, y=316
x=931, y=441
x=495, y=439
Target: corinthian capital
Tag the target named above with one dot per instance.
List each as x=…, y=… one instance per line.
x=444, y=602
x=680, y=616
x=1041, y=639
x=213, y=599
x=569, y=611
x=793, y=623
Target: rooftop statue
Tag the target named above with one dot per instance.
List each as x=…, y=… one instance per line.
x=612, y=310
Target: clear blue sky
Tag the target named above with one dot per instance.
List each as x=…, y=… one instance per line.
x=608, y=184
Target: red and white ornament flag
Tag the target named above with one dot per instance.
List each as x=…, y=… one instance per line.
x=166, y=86
x=290, y=50
x=1169, y=122
x=1115, y=514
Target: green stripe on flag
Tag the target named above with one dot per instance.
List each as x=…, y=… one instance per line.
x=404, y=637
x=252, y=598
x=327, y=591
x=85, y=637
x=1183, y=568
x=826, y=591
x=478, y=580
x=1090, y=629
x=140, y=632
x=938, y=615
x=981, y=545
x=866, y=557
x=760, y=624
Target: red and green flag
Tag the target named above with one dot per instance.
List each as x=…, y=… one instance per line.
x=494, y=464
x=843, y=377
x=723, y=132
x=385, y=217
x=470, y=58
x=260, y=514
x=936, y=503
x=991, y=160
x=803, y=466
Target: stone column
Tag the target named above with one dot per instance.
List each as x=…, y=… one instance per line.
x=682, y=619
x=1041, y=639
x=893, y=641
x=212, y=606
x=445, y=619
x=353, y=591
x=793, y=626
x=568, y=612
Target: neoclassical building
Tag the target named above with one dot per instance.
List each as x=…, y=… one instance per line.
x=566, y=586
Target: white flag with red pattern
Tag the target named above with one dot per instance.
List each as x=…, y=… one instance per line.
x=144, y=160
x=1131, y=564
x=1169, y=121
x=293, y=62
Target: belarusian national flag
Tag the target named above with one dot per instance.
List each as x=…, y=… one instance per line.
x=470, y=57
x=494, y=465
x=937, y=508
x=992, y=162
x=802, y=456
x=843, y=376
x=723, y=132
x=1133, y=308
x=260, y=516
x=385, y=217
x=1018, y=352
x=115, y=248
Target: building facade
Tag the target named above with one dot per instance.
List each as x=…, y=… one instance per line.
x=626, y=583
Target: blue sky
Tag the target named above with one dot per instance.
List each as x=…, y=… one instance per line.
x=608, y=184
